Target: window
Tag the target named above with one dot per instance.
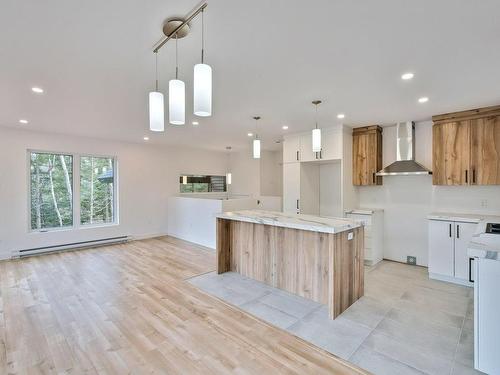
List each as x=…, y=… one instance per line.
x=51, y=190
x=202, y=184
x=97, y=194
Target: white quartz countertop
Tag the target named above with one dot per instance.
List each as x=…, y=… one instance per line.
x=466, y=218
x=485, y=245
x=294, y=221
x=363, y=211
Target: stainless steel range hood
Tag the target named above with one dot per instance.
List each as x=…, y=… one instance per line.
x=405, y=163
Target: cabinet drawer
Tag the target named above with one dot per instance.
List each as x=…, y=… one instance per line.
x=365, y=219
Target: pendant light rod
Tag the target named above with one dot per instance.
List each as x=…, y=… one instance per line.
x=178, y=28
x=156, y=71
x=256, y=118
x=176, y=59
x=316, y=102
x=202, y=35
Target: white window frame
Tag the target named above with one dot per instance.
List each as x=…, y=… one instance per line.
x=115, y=193
x=76, y=192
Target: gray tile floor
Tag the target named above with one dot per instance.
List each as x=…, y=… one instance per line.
x=405, y=323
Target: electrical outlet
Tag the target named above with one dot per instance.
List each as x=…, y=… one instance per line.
x=411, y=260
x=350, y=236
x=484, y=203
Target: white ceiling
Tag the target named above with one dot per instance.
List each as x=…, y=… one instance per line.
x=270, y=58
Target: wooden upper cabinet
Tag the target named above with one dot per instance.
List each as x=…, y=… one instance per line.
x=466, y=147
x=485, y=151
x=451, y=153
x=366, y=155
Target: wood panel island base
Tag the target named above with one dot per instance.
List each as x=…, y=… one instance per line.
x=314, y=257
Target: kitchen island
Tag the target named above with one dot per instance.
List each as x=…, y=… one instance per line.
x=314, y=257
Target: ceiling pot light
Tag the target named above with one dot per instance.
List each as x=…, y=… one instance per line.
x=316, y=133
x=202, y=81
x=195, y=123
x=407, y=76
x=176, y=96
x=256, y=141
x=156, y=105
x=22, y=121
x=146, y=138
x=250, y=134
x=37, y=90
x=423, y=99
x=284, y=127
x=340, y=116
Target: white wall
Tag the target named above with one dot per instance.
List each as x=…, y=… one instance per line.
x=259, y=178
x=330, y=190
x=407, y=200
x=271, y=173
x=148, y=175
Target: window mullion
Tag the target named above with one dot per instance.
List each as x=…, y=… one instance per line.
x=76, y=191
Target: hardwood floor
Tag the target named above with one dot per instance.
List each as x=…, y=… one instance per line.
x=128, y=309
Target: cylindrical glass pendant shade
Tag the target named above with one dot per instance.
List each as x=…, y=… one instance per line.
x=176, y=102
x=228, y=178
x=256, y=148
x=184, y=180
x=156, y=114
x=202, y=87
x=316, y=140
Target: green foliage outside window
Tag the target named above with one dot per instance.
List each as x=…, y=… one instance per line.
x=51, y=193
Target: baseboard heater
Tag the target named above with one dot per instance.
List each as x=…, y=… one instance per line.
x=69, y=246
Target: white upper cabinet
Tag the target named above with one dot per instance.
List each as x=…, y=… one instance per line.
x=331, y=144
x=306, y=153
x=291, y=149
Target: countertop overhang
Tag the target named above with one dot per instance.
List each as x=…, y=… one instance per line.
x=295, y=221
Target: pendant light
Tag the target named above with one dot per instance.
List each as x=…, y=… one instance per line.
x=316, y=133
x=202, y=81
x=228, y=174
x=156, y=114
x=176, y=95
x=256, y=141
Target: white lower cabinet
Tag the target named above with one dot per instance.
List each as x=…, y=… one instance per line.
x=486, y=321
x=448, y=260
x=373, y=222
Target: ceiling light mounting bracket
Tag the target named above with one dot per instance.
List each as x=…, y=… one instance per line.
x=178, y=28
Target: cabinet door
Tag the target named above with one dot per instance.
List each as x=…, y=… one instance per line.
x=291, y=148
x=451, y=153
x=463, y=235
x=366, y=158
x=306, y=153
x=360, y=159
x=485, y=151
x=291, y=188
x=441, y=243
x=332, y=145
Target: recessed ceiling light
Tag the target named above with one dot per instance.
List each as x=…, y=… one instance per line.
x=195, y=123
x=340, y=115
x=284, y=127
x=250, y=134
x=423, y=99
x=146, y=138
x=37, y=90
x=407, y=76
x=22, y=121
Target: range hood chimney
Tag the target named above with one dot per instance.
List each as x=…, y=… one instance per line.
x=405, y=163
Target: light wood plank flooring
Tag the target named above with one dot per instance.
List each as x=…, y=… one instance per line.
x=129, y=309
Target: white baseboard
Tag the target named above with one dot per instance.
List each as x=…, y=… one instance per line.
x=148, y=236
x=450, y=279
